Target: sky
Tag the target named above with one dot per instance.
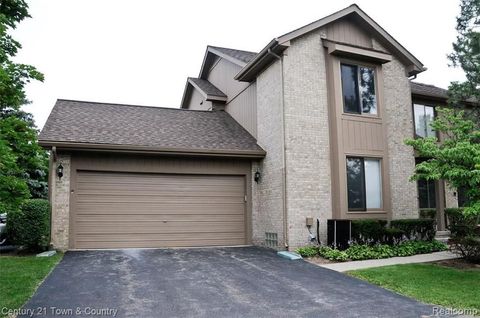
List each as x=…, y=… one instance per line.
x=141, y=52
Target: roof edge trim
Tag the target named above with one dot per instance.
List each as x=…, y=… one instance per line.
x=65, y=145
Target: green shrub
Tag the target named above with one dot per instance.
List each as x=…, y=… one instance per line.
x=416, y=229
x=468, y=247
x=461, y=225
x=368, y=231
x=428, y=213
x=332, y=254
x=308, y=251
x=465, y=236
x=393, y=236
x=30, y=227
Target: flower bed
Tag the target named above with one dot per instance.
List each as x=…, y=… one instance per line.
x=358, y=252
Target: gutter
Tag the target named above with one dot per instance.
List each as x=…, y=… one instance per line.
x=76, y=146
x=284, y=156
x=257, y=59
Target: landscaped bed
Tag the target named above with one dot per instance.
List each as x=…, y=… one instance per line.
x=357, y=252
x=20, y=277
x=435, y=283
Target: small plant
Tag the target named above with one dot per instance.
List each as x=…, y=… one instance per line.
x=333, y=254
x=308, y=251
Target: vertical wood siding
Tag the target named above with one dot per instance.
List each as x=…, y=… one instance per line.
x=242, y=101
x=196, y=102
x=347, y=31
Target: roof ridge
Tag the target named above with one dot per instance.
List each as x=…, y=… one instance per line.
x=425, y=84
x=229, y=48
x=130, y=105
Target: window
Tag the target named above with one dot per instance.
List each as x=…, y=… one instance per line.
x=364, y=184
x=358, y=88
x=424, y=116
x=426, y=194
x=426, y=191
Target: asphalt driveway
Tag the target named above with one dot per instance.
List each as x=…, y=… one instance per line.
x=220, y=282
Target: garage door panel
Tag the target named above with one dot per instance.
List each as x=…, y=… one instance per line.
x=116, y=210
x=126, y=218
x=134, y=208
x=158, y=227
x=161, y=199
x=152, y=243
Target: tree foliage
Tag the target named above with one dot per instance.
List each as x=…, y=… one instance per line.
x=23, y=163
x=466, y=55
x=456, y=159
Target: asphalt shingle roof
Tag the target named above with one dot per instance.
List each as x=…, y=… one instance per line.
x=428, y=90
x=160, y=128
x=207, y=87
x=244, y=56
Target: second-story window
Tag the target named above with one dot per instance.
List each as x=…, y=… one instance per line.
x=424, y=116
x=358, y=89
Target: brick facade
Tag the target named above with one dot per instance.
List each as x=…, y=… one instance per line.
x=267, y=211
x=60, y=200
x=399, y=120
x=307, y=138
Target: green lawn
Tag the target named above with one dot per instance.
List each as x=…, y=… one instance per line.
x=20, y=277
x=429, y=283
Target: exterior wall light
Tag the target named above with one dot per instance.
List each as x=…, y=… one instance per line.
x=60, y=171
x=257, y=176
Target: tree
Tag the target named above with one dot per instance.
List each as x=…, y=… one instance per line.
x=466, y=54
x=456, y=159
x=23, y=164
x=13, y=76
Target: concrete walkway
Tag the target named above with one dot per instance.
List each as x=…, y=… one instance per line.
x=421, y=258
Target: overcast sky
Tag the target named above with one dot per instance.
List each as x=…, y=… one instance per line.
x=141, y=52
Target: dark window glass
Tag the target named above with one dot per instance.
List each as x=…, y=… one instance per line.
x=426, y=194
x=424, y=116
x=351, y=101
x=356, y=184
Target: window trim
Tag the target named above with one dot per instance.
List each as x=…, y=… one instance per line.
x=358, y=64
x=381, y=209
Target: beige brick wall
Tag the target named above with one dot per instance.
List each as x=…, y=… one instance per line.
x=60, y=201
x=267, y=205
x=307, y=138
x=451, y=199
x=399, y=121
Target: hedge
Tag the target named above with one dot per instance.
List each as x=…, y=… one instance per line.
x=30, y=226
x=374, y=232
x=416, y=229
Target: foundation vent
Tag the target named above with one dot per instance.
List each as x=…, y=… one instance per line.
x=271, y=239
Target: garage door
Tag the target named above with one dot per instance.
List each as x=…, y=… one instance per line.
x=120, y=210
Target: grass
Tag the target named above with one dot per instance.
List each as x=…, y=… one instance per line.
x=20, y=276
x=429, y=283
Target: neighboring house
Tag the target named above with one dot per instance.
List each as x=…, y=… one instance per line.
x=312, y=126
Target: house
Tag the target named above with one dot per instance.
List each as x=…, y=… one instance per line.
x=310, y=128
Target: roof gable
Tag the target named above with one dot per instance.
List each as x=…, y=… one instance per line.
x=277, y=45
x=209, y=91
x=238, y=57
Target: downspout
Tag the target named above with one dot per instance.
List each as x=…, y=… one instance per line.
x=284, y=168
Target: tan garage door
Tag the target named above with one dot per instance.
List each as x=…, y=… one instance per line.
x=120, y=210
